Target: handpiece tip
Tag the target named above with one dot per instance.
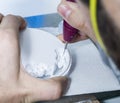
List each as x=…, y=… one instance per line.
x=65, y=47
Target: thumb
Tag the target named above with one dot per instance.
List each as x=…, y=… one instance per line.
x=77, y=16
x=71, y=13
x=40, y=90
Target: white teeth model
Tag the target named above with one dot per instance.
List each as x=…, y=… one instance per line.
x=62, y=63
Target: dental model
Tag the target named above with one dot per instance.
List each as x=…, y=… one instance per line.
x=41, y=70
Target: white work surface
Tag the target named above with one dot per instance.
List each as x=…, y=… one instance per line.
x=88, y=72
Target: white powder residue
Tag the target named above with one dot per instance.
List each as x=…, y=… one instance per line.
x=40, y=70
x=62, y=62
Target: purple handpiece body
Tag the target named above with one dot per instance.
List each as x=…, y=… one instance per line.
x=68, y=31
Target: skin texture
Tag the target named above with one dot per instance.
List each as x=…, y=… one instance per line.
x=77, y=15
x=16, y=86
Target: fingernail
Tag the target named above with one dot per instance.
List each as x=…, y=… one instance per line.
x=64, y=10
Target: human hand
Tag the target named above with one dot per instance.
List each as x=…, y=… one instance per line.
x=77, y=15
x=16, y=86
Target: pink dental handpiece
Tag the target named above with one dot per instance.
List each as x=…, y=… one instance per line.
x=68, y=31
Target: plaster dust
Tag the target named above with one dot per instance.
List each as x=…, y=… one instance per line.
x=42, y=70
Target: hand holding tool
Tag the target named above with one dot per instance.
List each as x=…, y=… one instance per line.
x=68, y=31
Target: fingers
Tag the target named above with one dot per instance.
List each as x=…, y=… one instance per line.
x=77, y=38
x=74, y=14
x=10, y=26
x=40, y=90
x=70, y=12
x=13, y=23
x=9, y=46
x=77, y=16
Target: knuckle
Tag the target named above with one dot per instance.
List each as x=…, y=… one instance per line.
x=11, y=17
